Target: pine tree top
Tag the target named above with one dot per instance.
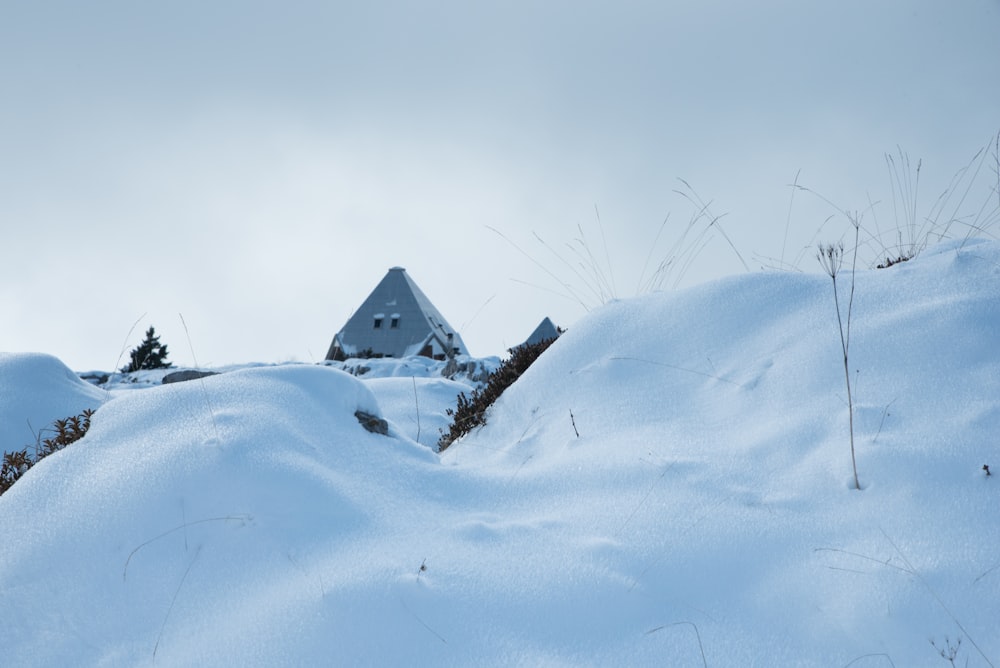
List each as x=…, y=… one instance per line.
x=150, y=354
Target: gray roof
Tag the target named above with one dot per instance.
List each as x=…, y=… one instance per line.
x=396, y=320
x=546, y=330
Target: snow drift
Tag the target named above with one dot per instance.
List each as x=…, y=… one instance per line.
x=668, y=484
x=35, y=390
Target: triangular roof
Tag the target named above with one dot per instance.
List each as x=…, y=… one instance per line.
x=546, y=330
x=397, y=320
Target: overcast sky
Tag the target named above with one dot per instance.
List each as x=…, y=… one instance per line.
x=258, y=166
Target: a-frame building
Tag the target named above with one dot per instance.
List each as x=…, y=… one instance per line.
x=546, y=330
x=396, y=320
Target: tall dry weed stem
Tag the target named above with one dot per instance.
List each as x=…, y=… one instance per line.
x=831, y=258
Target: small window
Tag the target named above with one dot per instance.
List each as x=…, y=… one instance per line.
x=394, y=324
x=378, y=323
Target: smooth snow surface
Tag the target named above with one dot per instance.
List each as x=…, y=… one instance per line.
x=35, y=390
x=703, y=516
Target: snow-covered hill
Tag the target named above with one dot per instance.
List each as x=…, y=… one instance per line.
x=35, y=390
x=669, y=484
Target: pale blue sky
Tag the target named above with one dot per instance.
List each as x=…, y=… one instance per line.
x=258, y=166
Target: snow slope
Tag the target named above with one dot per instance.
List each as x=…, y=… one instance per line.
x=703, y=516
x=35, y=390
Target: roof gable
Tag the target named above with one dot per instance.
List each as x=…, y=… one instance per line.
x=546, y=330
x=396, y=320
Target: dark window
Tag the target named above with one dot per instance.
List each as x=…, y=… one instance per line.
x=378, y=323
x=394, y=324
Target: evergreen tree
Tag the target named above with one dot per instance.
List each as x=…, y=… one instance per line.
x=150, y=354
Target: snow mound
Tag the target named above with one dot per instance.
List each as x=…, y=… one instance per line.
x=418, y=407
x=35, y=390
x=229, y=486
x=668, y=484
x=719, y=417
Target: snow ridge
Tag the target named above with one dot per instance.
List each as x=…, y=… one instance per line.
x=703, y=516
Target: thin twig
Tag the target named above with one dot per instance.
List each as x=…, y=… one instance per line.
x=644, y=498
x=715, y=222
x=881, y=562
x=701, y=648
x=421, y=621
x=174, y=600
x=987, y=572
x=558, y=280
x=229, y=518
x=831, y=258
x=868, y=656
x=788, y=219
x=607, y=255
x=936, y=597
x=885, y=413
x=201, y=380
x=476, y=314
x=416, y=404
x=678, y=368
x=640, y=287
x=121, y=353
